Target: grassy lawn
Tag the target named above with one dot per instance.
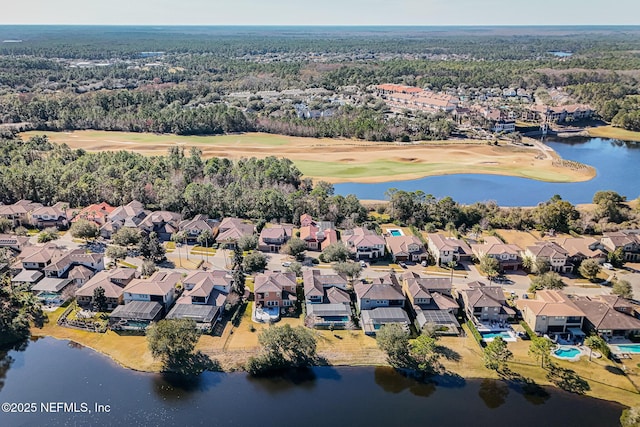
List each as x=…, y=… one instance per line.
x=126, y=264
x=202, y=250
x=603, y=377
x=130, y=351
x=614, y=133
x=349, y=160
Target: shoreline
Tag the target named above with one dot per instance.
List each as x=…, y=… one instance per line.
x=349, y=160
x=469, y=367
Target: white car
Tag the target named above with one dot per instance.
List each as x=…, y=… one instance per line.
x=363, y=264
x=286, y=264
x=608, y=266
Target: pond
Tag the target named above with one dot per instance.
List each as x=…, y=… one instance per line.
x=50, y=371
x=616, y=163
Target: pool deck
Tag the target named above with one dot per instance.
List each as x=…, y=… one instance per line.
x=583, y=351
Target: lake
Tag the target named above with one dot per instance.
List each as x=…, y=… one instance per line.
x=616, y=162
x=50, y=371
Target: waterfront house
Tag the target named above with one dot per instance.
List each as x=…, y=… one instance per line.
x=374, y=319
x=485, y=304
x=273, y=237
x=136, y=315
x=275, y=289
x=363, y=243
x=430, y=302
x=205, y=316
x=507, y=255
x=610, y=316
x=112, y=281
x=160, y=287
x=206, y=288
x=384, y=291
x=447, y=249
x=328, y=304
x=551, y=312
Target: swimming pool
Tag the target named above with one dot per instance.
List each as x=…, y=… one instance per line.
x=490, y=336
x=395, y=232
x=567, y=353
x=629, y=348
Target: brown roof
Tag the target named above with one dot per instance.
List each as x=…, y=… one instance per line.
x=381, y=291
x=233, y=229
x=274, y=281
x=547, y=250
x=104, y=279
x=480, y=295
x=160, y=283
x=277, y=231
x=603, y=316
x=338, y=296
x=315, y=282
x=443, y=243
x=585, y=246
x=551, y=303
x=400, y=244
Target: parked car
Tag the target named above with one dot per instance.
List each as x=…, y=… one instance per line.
x=608, y=266
x=363, y=264
x=286, y=264
x=402, y=264
x=424, y=263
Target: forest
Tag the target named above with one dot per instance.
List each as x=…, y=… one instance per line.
x=180, y=80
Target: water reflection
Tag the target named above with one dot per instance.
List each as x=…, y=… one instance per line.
x=393, y=381
x=174, y=387
x=493, y=393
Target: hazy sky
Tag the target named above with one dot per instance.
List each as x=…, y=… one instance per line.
x=322, y=12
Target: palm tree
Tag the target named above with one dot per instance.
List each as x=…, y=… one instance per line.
x=452, y=264
x=451, y=228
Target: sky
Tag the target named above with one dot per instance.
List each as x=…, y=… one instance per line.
x=322, y=12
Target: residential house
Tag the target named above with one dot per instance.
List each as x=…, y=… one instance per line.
x=205, y=316
x=136, y=315
x=551, y=312
x=163, y=223
x=206, y=288
x=38, y=257
x=130, y=216
x=485, y=304
x=364, y=243
x=506, y=254
x=374, y=319
x=195, y=226
x=273, y=237
x=231, y=230
x=581, y=248
x=27, y=277
x=112, y=281
x=609, y=316
x=275, y=289
x=406, y=248
x=627, y=240
x=328, y=304
x=552, y=253
x=63, y=261
x=447, y=249
x=384, y=291
x=316, y=233
x=16, y=243
x=19, y=213
x=430, y=302
x=50, y=216
x=160, y=287
x=96, y=213
x=52, y=290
